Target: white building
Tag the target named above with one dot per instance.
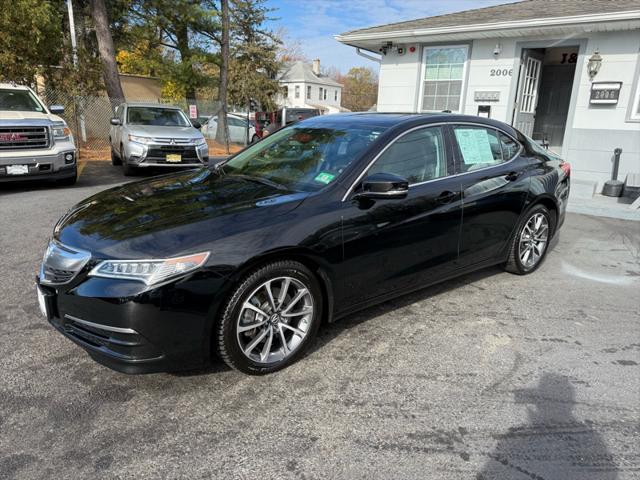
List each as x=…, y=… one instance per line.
x=564, y=71
x=303, y=86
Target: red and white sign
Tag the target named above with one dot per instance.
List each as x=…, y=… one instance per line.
x=193, y=111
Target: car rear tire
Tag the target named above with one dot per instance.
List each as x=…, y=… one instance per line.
x=270, y=318
x=531, y=241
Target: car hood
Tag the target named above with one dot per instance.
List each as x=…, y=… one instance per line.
x=172, y=214
x=164, y=132
x=13, y=116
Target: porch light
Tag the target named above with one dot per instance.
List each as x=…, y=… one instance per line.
x=594, y=64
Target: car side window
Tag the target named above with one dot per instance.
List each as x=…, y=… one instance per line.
x=510, y=147
x=479, y=147
x=417, y=156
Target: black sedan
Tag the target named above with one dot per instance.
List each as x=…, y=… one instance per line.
x=245, y=260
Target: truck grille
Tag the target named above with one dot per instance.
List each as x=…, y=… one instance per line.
x=22, y=138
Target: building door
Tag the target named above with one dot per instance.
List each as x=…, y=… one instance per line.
x=528, y=87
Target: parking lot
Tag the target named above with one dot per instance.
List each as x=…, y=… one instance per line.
x=487, y=376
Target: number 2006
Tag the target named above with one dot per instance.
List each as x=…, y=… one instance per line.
x=501, y=72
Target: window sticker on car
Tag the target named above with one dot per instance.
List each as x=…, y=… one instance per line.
x=325, y=177
x=474, y=145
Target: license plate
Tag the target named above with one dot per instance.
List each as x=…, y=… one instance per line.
x=42, y=302
x=173, y=158
x=17, y=169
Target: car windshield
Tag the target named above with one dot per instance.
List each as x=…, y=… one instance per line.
x=19, y=100
x=302, y=158
x=156, y=116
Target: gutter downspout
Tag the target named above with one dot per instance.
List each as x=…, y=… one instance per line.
x=367, y=56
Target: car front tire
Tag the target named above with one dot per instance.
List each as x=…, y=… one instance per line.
x=270, y=318
x=531, y=241
x=115, y=159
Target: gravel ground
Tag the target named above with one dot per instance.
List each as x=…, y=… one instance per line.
x=488, y=376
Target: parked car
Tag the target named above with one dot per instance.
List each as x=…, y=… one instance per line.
x=318, y=220
x=155, y=135
x=35, y=143
x=281, y=118
x=237, y=128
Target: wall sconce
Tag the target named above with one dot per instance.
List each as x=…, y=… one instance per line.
x=595, y=61
x=497, y=50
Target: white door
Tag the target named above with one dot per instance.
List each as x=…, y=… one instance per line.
x=528, y=86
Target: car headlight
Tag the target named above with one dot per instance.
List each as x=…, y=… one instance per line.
x=150, y=272
x=198, y=142
x=61, y=131
x=136, y=138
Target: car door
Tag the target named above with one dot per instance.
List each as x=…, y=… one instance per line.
x=395, y=244
x=236, y=130
x=494, y=179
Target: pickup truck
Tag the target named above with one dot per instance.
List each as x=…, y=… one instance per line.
x=35, y=143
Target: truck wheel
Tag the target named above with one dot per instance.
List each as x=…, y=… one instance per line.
x=115, y=159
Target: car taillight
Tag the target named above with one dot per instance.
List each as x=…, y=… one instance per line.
x=566, y=168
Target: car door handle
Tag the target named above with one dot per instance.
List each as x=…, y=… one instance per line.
x=512, y=176
x=446, y=197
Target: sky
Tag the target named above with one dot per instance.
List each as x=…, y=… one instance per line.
x=314, y=22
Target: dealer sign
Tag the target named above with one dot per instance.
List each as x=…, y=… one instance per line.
x=605, y=92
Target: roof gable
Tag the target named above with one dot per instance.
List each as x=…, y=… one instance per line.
x=302, y=72
x=509, y=12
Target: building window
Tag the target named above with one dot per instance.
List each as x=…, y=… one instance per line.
x=443, y=75
x=635, y=106
x=285, y=91
x=325, y=94
x=297, y=91
x=335, y=95
x=320, y=93
x=309, y=92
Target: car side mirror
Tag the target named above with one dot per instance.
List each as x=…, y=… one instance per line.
x=383, y=186
x=197, y=125
x=115, y=122
x=56, y=109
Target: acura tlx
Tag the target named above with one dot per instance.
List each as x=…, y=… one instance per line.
x=244, y=260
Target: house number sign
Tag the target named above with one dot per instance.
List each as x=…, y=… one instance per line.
x=501, y=72
x=605, y=92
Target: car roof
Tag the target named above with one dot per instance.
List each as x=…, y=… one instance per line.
x=391, y=119
x=13, y=86
x=150, y=104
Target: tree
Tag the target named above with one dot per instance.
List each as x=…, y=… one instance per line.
x=31, y=40
x=107, y=52
x=222, y=132
x=253, y=65
x=360, y=89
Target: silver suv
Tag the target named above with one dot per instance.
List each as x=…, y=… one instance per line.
x=35, y=143
x=155, y=135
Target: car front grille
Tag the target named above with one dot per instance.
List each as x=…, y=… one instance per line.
x=23, y=138
x=61, y=263
x=159, y=154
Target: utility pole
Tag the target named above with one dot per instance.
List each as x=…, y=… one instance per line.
x=74, y=56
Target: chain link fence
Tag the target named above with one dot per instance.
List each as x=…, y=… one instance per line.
x=89, y=118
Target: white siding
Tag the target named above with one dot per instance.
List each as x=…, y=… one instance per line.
x=398, y=82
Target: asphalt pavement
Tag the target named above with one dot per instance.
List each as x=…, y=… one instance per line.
x=489, y=376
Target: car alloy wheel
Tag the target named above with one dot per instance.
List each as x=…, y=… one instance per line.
x=533, y=240
x=270, y=318
x=274, y=320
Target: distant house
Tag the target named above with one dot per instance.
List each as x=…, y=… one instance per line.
x=303, y=86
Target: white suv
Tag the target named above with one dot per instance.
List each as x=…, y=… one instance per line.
x=35, y=143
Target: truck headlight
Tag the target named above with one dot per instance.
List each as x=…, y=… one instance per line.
x=149, y=272
x=61, y=131
x=144, y=140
